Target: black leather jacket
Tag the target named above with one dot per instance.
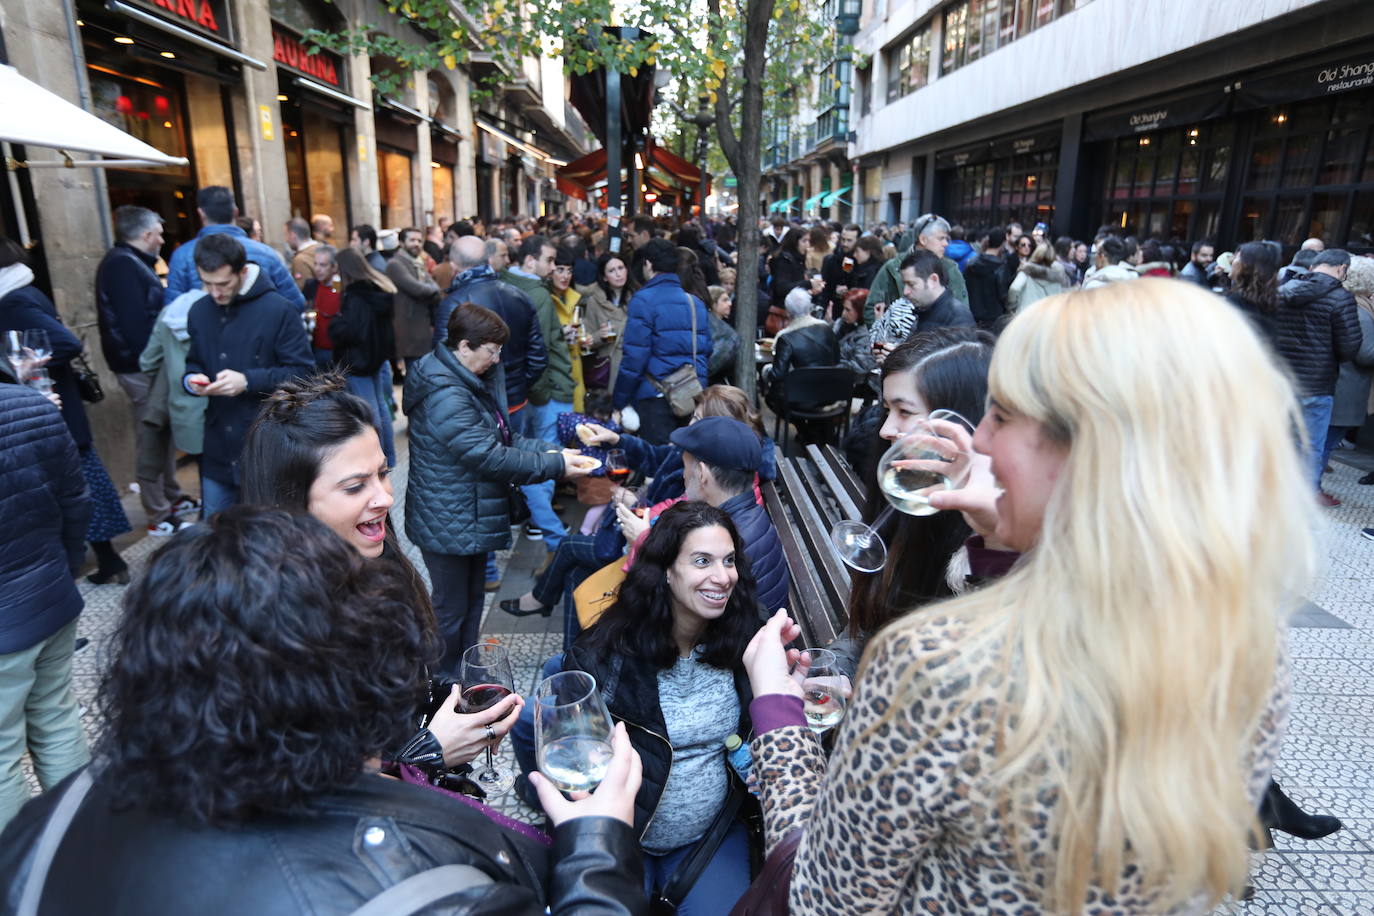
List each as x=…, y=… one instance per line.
x=351, y=845
x=812, y=345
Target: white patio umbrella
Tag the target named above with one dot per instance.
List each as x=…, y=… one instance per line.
x=33, y=116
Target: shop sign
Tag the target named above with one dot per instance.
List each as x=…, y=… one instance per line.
x=1152, y=116
x=290, y=53
x=269, y=133
x=208, y=17
x=1330, y=78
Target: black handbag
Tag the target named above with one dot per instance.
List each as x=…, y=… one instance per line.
x=87, y=382
x=679, y=884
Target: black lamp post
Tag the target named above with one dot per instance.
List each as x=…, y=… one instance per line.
x=703, y=118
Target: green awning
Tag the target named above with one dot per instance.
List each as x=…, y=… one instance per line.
x=813, y=200
x=834, y=196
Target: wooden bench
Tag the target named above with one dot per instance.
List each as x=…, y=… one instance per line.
x=809, y=496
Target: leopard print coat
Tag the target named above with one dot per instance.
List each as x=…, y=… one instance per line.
x=921, y=837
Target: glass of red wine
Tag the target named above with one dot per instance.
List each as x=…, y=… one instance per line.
x=617, y=468
x=487, y=679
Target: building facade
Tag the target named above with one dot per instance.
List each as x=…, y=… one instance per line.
x=229, y=85
x=1230, y=121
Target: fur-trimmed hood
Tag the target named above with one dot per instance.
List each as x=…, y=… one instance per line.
x=1039, y=272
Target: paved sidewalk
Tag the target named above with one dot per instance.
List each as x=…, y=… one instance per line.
x=1328, y=760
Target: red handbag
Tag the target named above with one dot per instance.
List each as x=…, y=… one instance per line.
x=767, y=895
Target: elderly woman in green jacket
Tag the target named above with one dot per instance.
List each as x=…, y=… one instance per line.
x=465, y=462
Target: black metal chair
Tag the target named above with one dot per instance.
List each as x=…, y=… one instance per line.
x=803, y=389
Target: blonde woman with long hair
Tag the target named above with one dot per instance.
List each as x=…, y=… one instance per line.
x=1094, y=730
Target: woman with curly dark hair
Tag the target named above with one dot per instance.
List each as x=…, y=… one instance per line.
x=314, y=448
x=259, y=672
x=1255, y=287
x=667, y=656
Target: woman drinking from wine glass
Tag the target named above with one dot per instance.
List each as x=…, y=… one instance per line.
x=260, y=670
x=314, y=448
x=943, y=369
x=1092, y=731
x=666, y=657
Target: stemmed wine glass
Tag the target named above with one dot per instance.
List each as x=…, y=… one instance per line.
x=617, y=468
x=909, y=471
x=572, y=731
x=14, y=352
x=36, y=341
x=822, y=691
x=487, y=680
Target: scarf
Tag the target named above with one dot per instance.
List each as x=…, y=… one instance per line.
x=16, y=276
x=473, y=273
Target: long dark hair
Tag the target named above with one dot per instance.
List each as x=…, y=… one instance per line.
x=258, y=663
x=791, y=241
x=296, y=429
x=690, y=274
x=631, y=284
x=950, y=368
x=1254, y=276
x=640, y=623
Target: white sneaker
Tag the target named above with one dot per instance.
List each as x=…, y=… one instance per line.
x=162, y=530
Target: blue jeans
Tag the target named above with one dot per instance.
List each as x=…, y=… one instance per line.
x=1316, y=416
x=522, y=736
x=1334, y=435
x=719, y=886
x=216, y=495
x=373, y=389
x=574, y=560
x=543, y=424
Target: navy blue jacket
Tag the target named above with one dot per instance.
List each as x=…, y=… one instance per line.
x=763, y=550
x=128, y=298
x=182, y=275
x=658, y=338
x=43, y=502
x=27, y=308
x=259, y=334
x=524, y=356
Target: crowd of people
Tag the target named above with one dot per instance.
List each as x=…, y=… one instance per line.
x=285, y=688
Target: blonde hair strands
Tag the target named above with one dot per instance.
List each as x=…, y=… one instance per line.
x=1133, y=651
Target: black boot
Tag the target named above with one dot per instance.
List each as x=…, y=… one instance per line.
x=1281, y=813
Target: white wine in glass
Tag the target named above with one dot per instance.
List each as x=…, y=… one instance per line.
x=572, y=731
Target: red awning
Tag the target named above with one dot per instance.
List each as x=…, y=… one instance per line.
x=677, y=174
x=683, y=172
x=571, y=188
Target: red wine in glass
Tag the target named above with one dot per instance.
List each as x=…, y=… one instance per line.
x=617, y=473
x=482, y=696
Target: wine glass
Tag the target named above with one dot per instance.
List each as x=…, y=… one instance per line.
x=909, y=471
x=39, y=380
x=487, y=680
x=822, y=690
x=14, y=352
x=36, y=340
x=617, y=468
x=572, y=731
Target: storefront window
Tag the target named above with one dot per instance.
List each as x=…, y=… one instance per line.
x=393, y=177
x=315, y=172
x=1175, y=178
x=148, y=109
x=443, y=193
x=1017, y=187
x=1362, y=220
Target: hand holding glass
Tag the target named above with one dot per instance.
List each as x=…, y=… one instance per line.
x=572, y=731
x=936, y=454
x=487, y=679
x=824, y=689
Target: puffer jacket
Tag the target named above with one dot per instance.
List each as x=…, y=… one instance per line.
x=362, y=332
x=658, y=338
x=629, y=687
x=555, y=383
x=355, y=843
x=763, y=549
x=464, y=457
x=1111, y=273
x=1034, y=282
x=259, y=334
x=524, y=355
x=43, y=501
x=1318, y=330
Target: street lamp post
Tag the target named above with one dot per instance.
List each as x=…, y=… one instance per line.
x=703, y=118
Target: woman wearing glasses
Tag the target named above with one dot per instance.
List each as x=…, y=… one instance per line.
x=464, y=463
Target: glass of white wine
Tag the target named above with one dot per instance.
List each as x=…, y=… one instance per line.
x=823, y=689
x=572, y=731
x=937, y=454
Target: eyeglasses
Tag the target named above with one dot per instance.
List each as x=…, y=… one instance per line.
x=492, y=350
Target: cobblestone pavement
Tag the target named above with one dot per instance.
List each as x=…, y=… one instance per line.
x=1327, y=764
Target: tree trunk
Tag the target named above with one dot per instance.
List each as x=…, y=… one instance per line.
x=745, y=157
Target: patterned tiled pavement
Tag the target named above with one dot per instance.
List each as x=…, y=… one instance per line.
x=1328, y=759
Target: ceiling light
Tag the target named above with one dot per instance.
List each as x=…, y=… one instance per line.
x=280, y=97
x=123, y=40
x=168, y=54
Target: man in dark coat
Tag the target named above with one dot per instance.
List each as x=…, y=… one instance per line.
x=987, y=297
x=832, y=267
x=524, y=356
x=246, y=340
x=43, y=501
x=128, y=298
x=1318, y=329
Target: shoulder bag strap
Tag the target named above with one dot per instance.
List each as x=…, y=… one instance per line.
x=680, y=883
x=692, y=308
x=421, y=890
x=51, y=838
